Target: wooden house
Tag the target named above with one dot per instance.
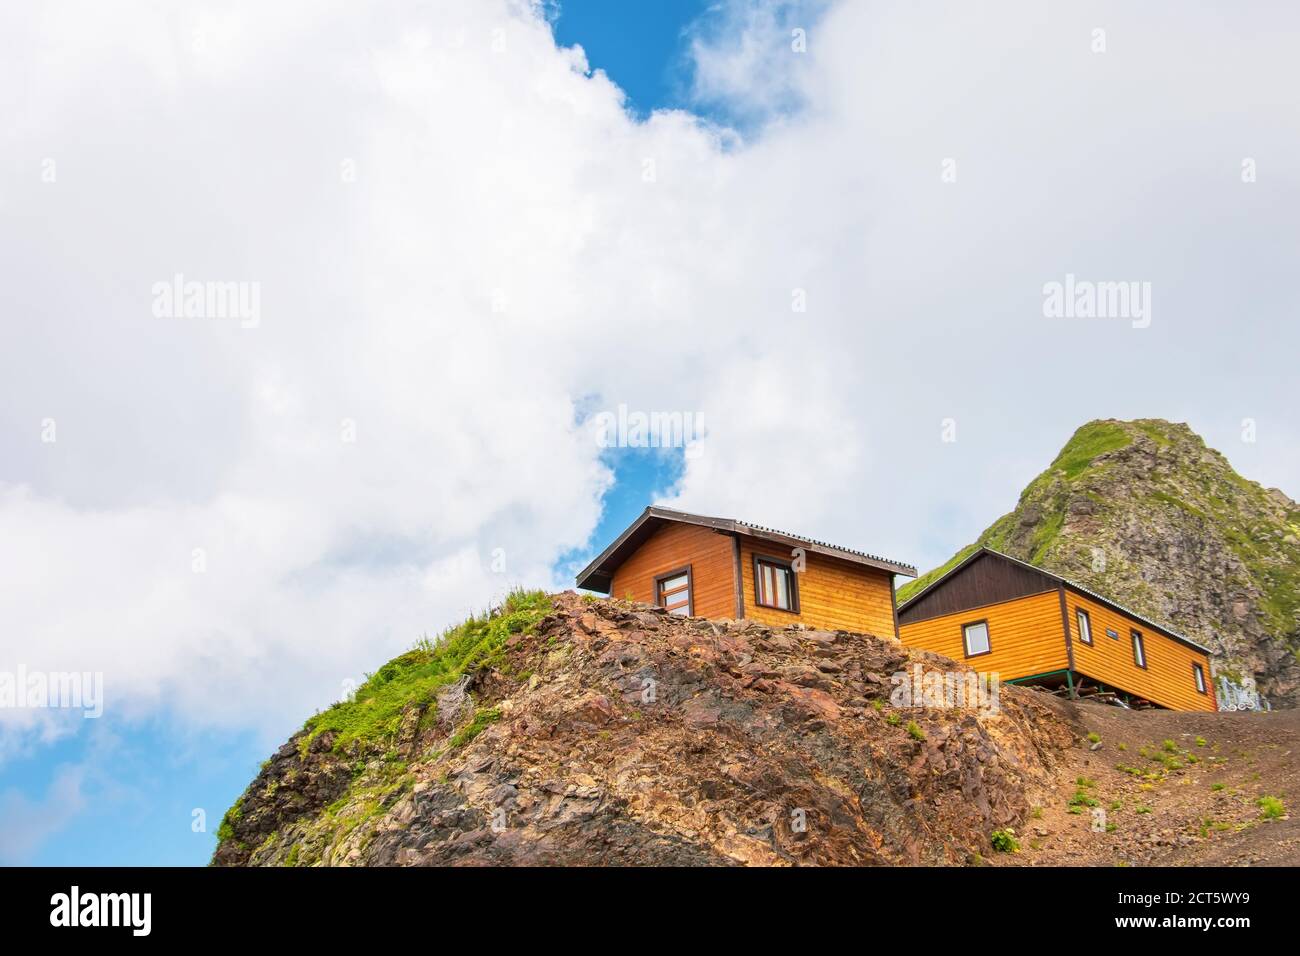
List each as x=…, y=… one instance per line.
x=1002, y=615
x=721, y=568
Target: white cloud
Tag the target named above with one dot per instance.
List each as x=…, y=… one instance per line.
x=461, y=241
x=924, y=297
x=749, y=57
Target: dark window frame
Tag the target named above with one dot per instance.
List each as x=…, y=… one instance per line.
x=761, y=559
x=1199, y=680
x=690, y=588
x=988, y=635
x=1138, y=641
x=1082, y=617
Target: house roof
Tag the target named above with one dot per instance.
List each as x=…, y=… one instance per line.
x=1057, y=579
x=599, y=575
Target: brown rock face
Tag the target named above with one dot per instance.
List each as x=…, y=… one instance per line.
x=629, y=737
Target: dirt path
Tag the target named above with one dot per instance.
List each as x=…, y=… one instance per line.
x=1177, y=789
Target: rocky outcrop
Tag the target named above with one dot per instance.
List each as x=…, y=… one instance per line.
x=1146, y=514
x=612, y=733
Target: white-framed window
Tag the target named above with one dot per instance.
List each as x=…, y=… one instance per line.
x=975, y=637
x=1198, y=673
x=1085, y=625
x=1139, y=650
x=673, y=591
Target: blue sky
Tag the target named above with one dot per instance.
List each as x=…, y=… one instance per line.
x=142, y=781
x=639, y=45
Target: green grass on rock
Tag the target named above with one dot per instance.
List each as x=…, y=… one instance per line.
x=416, y=676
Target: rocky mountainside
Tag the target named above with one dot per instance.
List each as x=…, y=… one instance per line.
x=1144, y=513
x=564, y=730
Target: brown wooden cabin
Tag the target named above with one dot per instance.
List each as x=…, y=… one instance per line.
x=1031, y=626
x=720, y=568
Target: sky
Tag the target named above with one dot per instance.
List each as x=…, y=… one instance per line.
x=434, y=243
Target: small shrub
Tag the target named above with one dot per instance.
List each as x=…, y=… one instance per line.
x=1170, y=746
x=1094, y=737
x=1271, y=808
x=1217, y=786
x=482, y=717
x=914, y=730
x=226, y=831
x=893, y=720
x=1200, y=741
x=1004, y=841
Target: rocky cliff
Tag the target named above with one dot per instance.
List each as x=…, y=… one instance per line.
x=562, y=730
x=1146, y=514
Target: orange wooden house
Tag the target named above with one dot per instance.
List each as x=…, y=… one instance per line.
x=1002, y=615
x=720, y=568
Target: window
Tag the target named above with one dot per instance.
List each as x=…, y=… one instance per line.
x=673, y=591
x=1085, y=625
x=1112, y=633
x=774, y=584
x=976, y=638
x=1198, y=672
x=1139, y=650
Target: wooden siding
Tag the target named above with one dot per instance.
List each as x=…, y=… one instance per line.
x=674, y=546
x=1026, y=636
x=834, y=595
x=988, y=579
x=1167, y=679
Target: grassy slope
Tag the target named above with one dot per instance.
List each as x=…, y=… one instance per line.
x=416, y=676
x=371, y=718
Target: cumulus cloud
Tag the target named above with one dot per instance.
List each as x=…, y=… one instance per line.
x=462, y=245
x=947, y=162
